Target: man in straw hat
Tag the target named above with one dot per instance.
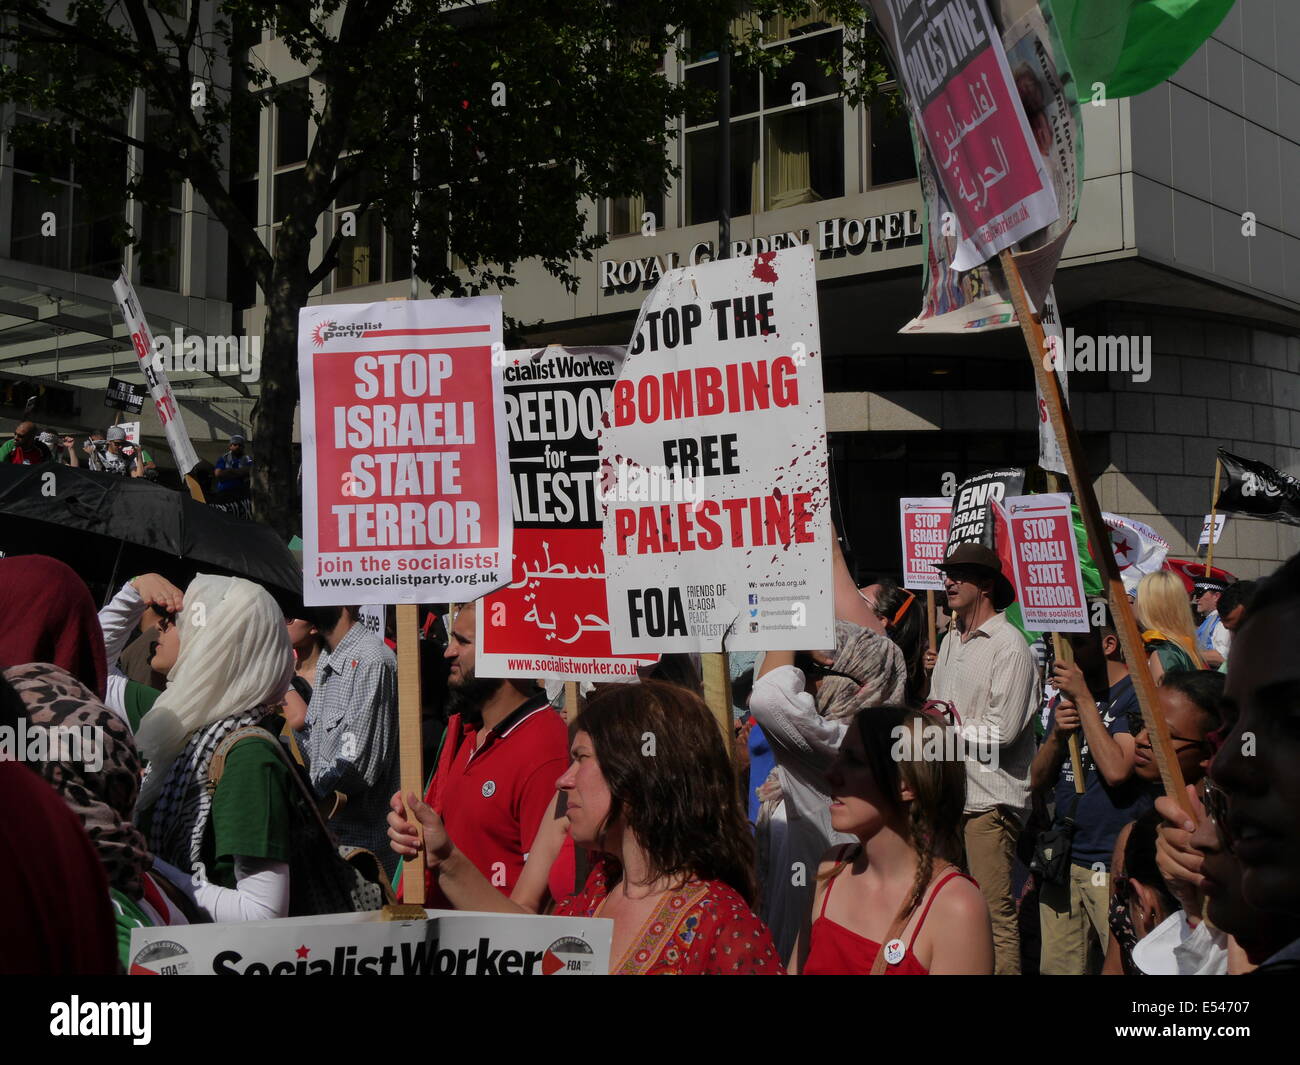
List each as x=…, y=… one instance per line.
x=984, y=669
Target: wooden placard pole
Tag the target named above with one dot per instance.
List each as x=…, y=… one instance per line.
x=717, y=694
x=1098, y=535
x=572, y=704
x=409, y=744
x=1063, y=652
x=1214, y=508
x=931, y=625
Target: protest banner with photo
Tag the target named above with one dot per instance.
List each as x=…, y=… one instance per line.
x=977, y=300
x=1218, y=521
x=405, y=491
x=552, y=619
x=957, y=80
x=122, y=395
x=1045, y=563
x=449, y=943
x=714, y=466
x=973, y=519
x=1258, y=490
x=925, y=526
x=1138, y=549
x=1049, y=449
x=164, y=399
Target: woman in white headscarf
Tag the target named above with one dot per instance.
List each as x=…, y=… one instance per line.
x=228, y=664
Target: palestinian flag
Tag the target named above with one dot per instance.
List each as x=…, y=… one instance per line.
x=1130, y=46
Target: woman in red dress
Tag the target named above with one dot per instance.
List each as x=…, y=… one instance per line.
x=652, y=791
x=895, y=903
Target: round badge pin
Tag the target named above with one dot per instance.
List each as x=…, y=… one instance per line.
x=894, y=951
x=489, y=789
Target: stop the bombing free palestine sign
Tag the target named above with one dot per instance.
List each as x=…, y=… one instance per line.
x=714, y=465
x=405, y=497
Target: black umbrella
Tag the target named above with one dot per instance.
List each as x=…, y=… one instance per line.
x=109, y=528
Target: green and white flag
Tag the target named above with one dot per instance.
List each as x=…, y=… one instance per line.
x=1130, y=46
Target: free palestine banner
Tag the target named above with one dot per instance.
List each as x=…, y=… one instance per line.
x=967, y=110
x=714, y=465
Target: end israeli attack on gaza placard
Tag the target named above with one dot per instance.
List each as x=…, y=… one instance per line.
x=714, y=469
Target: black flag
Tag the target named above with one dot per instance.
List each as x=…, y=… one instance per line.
x=1258, y=490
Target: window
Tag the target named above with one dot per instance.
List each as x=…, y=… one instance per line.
x=889, y=140
x=369, y=252
x=627, y=214
x=787, y=137
x=161, y=240
x=291, y=121
x=68, y=210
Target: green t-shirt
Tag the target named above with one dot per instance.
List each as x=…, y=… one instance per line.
x=252, y=810
x=138, y=699
x=1172, y=657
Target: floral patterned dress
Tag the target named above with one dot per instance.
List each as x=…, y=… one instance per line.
x=702, y=928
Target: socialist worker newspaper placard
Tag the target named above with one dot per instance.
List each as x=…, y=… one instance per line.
x=552, y=619
x=968, y=109
x=714, y=465
x=405, y=497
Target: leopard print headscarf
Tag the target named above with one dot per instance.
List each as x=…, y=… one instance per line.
x=103, y=798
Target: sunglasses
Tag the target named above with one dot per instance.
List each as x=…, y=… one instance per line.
x=1216, y=809
x=166, y=619
x=814, y=670
x=1136, y=724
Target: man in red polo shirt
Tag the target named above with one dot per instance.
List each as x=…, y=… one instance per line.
x=505, y=749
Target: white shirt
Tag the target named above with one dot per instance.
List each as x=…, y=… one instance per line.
x=804, y=745
x=990, y=678
x=1174, y=948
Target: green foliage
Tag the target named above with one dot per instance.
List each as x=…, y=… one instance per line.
x=587, y=112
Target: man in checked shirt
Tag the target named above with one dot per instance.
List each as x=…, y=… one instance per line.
x=349, y=740
x=984, y=668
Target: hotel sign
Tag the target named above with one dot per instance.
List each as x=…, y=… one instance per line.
x=832, y=238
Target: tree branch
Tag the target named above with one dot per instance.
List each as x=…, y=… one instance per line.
x=330, y=258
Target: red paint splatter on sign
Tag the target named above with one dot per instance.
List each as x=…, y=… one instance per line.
x=763, y=267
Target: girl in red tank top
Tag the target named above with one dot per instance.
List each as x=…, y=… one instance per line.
x=895, y=904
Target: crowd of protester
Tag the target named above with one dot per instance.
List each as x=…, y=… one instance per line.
x=226, y=484
x=885, y=807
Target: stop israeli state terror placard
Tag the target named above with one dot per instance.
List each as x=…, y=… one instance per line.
x=405, y=491
x=714, y=466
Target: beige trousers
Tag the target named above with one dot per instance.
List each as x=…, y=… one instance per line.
x=1074, y=923
x=990, y=853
